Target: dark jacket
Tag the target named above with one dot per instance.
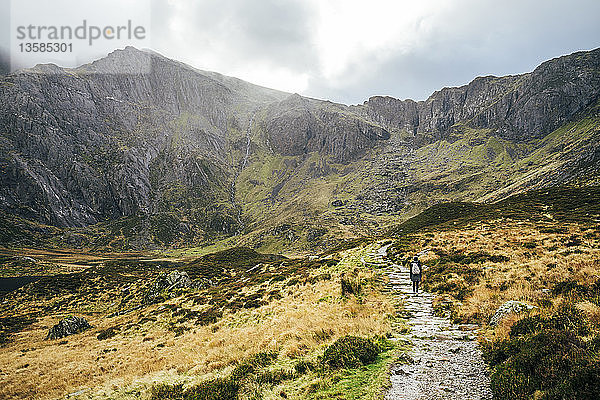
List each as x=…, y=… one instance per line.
x=415, y=277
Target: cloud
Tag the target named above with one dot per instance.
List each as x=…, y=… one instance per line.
x=348, y=50
x=268, y=42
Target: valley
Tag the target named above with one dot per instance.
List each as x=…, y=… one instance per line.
x=186, y=235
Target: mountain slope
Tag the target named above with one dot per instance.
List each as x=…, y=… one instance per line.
x=90, y=144
x=179, y=156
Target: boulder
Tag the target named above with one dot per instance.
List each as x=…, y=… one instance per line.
x=68, y=326
x=510, y=307
x=166, y=283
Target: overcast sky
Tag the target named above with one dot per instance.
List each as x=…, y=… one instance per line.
x=347, y=51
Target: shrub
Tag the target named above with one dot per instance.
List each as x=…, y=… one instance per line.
x=350, y=352
x=214, y=389
x=249, y=366
x=107, y=333
x=165, y=391
x=566, y=318
x=570, y=318
x=351, y=285
x=582, y=384
x=569, y=286
x=543, y=361
x=527, y=326
x=303, y=366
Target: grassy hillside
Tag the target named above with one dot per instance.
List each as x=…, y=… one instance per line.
x=257, y=327
x=540, y=248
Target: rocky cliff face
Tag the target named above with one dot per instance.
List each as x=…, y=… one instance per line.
x=297, y=126
x=94, y=143
x=188, y=153
x=518, y=108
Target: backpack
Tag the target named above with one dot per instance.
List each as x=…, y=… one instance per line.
x=415, y=268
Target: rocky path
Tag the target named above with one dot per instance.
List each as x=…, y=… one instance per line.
x=444, y=361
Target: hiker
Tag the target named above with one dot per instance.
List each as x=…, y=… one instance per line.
x=415, y=273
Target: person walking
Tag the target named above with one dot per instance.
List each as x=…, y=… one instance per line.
x=416, y=270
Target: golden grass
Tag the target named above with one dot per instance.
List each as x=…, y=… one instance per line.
x=537, y=261
x=303, y=321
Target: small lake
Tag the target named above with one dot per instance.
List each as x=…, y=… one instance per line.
x=13, y=283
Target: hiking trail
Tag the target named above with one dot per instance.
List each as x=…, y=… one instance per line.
x=444, y=361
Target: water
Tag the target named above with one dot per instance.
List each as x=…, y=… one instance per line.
x=13, y=283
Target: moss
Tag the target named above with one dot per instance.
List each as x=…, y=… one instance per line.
x=350, y=352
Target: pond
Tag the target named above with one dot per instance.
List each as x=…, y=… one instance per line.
x=13, y=283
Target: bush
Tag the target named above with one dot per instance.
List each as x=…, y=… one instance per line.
x=350, y=352
x=107, y=333
x=304, y=366
x=528, y=326
x=569, y=318
x=249, y=366
x=582, y=384
x=214, y=389
x=351, y=285
x=543, y=361
x=566, y=318
x=165, y=391
x=567, y=287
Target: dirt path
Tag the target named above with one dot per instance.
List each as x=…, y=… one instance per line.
x=445, y=361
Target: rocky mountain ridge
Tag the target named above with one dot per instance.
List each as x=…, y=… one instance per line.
x=181, y=155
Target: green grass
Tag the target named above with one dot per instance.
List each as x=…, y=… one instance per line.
x=564, y=204
x=364, y=383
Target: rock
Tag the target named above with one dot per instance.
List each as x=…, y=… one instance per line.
x=510, y=307
x=166, y=283
x=315, y=234
x=68, y=326
x=400, y=371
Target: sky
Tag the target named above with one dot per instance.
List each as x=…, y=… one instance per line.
x=340, y=50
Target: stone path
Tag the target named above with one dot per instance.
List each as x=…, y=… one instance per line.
x=444, y=361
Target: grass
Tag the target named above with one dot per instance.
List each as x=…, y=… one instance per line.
x=476, y=265
x=291, y=307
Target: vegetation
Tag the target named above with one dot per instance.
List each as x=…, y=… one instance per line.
x=511, y=251
x=350, y=352
x=259, y=325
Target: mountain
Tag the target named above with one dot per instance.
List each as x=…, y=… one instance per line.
x=137, y=150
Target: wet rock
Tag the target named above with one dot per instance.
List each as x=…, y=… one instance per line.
x=68, y=326
x=510, y=307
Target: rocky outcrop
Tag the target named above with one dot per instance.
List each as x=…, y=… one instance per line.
x=165, y=284
x=297, y=126
x=519, y=108
x=68, y=326
x=508, y=308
